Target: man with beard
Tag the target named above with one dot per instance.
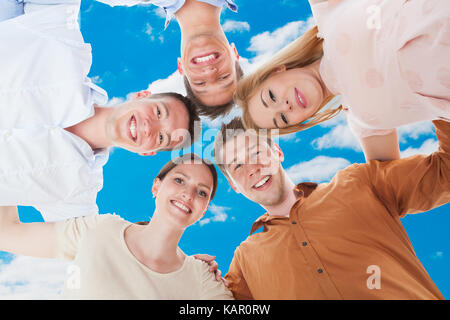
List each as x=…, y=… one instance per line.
x=336, y=240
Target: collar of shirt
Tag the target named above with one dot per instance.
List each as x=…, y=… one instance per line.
x=173, y=8
x=302, y=191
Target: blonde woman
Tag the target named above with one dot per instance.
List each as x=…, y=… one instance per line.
x=117, y=259
x=387, y=60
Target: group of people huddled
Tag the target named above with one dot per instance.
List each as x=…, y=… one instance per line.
x=319, y=241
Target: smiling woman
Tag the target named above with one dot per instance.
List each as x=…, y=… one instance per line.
x=116, y=259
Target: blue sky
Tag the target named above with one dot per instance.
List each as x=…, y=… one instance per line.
x=132, y=52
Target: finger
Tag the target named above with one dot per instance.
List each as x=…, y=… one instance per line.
x=204, y=257
x=218, y=275
x=213, y=266
x=225, y=282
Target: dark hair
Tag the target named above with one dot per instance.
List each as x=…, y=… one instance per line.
x=227, y=132
x=194, y=123
x=188, y=157
x=212, y=112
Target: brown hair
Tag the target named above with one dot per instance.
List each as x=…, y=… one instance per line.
x=228, y=131
x=192, y=157
x=300, y=53
x=212, y=112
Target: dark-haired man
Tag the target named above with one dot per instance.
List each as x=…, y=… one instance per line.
x=55, y=130
x=336, y=240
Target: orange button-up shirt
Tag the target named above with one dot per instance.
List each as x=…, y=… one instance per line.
x=344, y=239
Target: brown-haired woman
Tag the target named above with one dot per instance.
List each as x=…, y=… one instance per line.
x=116, y=259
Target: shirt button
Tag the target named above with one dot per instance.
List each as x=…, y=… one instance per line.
x=304, y=243
x=319, y=270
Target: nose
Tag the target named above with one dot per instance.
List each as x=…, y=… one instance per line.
x=286, y=106
x=209, y=70
x=187, y=194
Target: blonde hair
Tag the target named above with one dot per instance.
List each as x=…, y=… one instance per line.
x=300, y=53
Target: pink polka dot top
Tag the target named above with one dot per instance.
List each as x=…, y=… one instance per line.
x=388, y=59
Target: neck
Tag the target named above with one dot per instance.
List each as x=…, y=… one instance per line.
x=197, y=18
x=93, y=129
x=158, y=242
x=283, y=207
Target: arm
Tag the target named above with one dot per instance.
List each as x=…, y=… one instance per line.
x=31, y=239
x=236, y=280
x=381, y=147
x=414, y=184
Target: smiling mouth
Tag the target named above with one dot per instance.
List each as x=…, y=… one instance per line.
x=262, y=183
x=133, y=128
x=300, y=98
x=182, y=207
x=206, y=59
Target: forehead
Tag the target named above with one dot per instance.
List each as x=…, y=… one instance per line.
x=240, y=145
x=195, y=172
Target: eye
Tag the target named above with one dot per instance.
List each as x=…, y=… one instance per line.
x=200, y=83
x=237, y=167
x=202, y=194
x=272, y=96
x=161, y=138
x=224, y=76
x=178, y=180
x=284, y=118
x=158, y=112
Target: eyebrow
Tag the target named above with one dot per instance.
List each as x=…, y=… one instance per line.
x=227, y=85
x=235, y=158
x=187, y=177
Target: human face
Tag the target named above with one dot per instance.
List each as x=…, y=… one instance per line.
x=146, y=125
x=254, y=169
x=182, y=197
x=209, y=63
x=286, y=98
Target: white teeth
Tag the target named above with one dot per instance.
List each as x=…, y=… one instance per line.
x=133, y=128
x=300, y=98
x=206, y=58
x=262, y=182
x=181, y=206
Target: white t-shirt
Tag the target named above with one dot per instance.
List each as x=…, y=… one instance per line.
x=44, y=88
x=104, y=268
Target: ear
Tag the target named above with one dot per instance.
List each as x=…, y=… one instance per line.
x=151, y=153
x=180, y=66
x=236, y=54
x=141, y=94
x=279, y=152
x=155, y=187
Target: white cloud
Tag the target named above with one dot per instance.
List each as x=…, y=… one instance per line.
x=218, y=212
x=173, y=83
x=340, y=136
x=428, y=146
x=415, y=130
x=266, y=44
x=235, y=26
x=32, y=278
x=319, y=169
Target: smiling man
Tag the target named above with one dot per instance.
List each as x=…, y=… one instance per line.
x=337, y=240
x=208, y=62
x=55, y=130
